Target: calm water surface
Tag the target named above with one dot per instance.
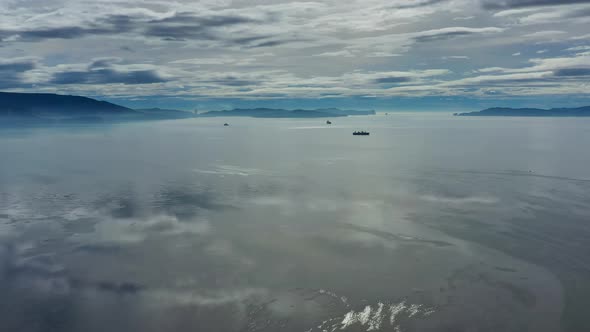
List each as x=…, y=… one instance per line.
x=431, y=223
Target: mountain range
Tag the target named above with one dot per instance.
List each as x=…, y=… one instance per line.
x=46, y=108
x=282, y=113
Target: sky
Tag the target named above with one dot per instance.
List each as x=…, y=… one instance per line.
x=379, y=54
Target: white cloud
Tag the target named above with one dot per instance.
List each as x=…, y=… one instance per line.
x=463, y=18
x=543, y=15
x=544, y=34
x=256, y=49
x=579, y=48
x=343, y=53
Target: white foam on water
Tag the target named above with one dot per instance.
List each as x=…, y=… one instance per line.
x=375, y=317
x=414, y=309
x=395, y=310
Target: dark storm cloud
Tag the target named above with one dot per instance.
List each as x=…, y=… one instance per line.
x=69, y=32
x=10, y=81
x=17, y=66
x=507, y=4
x=110, y=25
x=107, y=76
x=181, y=26
x=123, y=288
x=205, y=22
x=417, y=4
x=11, y=73
x=120, y=23
x=187, y=26
x=392, y=79
x=182, y=32
x=572, y=72
x=272, y=43
x=233, y=81
x=443, y=35
x=64, y=33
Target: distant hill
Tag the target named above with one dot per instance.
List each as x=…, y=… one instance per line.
x=44, y=108
x=345, y=112
x=166, y=113
x=506, y=111
x=52, y=104
x=47, y=108
x=282, y=113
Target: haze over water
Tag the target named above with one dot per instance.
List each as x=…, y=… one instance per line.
x=431, y=223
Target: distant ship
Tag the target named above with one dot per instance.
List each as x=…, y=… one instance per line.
x=361, y=133
x=225, y=124
x=328, y=122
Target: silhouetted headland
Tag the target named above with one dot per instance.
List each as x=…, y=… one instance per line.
x=47, y=108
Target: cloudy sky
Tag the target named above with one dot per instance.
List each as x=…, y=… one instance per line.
x=383, y=54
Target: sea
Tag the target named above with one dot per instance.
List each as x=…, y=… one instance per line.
x=430, y=223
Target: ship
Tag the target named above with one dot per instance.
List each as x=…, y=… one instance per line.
x=361, y=133
x=328, y=122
